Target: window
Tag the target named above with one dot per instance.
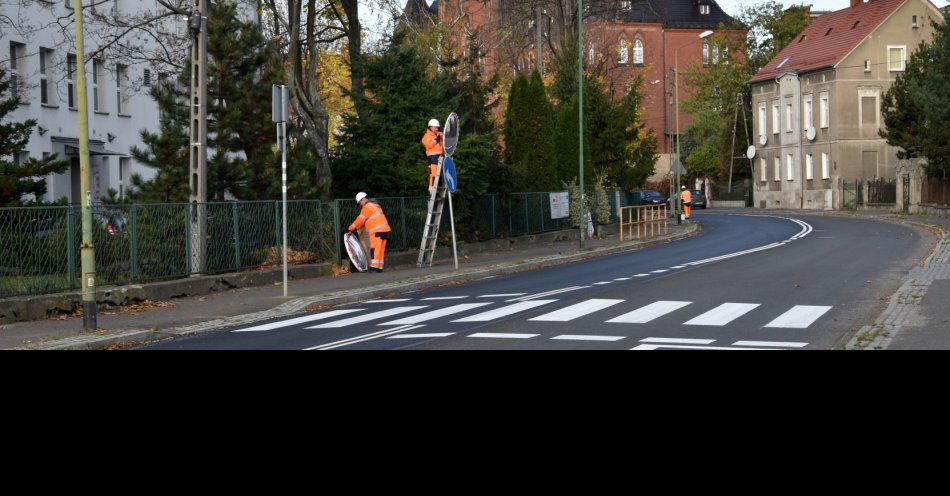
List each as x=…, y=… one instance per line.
x=98, y=85
x=789, y=167
x=809, y=167
x=46, y=60
x=704, y=9
x=808, y=113
x=763, y=172
x=788, y=118
x=71, y=80
x=124, y=165
x=725, y=55
x=17, y=52
x=825, y=169
x=146, y=77
x=775, y=121
x=705, y=54
x=625, y=5
x=715, y=58
x=778, y=168
x=869, y=111
x=591, y=54
x=762, y=122
x=121, y=101
x=638, y=52
x=895, y=58
x=21, y=158
x=624, y=54
x=823, y=109
x=913, y=22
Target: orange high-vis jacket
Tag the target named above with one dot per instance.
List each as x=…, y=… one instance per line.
x=687, y=196
x=372, y=216
x=428, y=139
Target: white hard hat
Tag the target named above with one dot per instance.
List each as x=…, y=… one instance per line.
x=360, y=196
x=683, y=187
x=434, y=122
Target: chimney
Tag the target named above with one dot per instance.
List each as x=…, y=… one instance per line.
x=855, y=3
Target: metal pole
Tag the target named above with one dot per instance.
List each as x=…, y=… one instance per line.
x=87, y=251
x=198, y=24
x=580, y=116
x=133, y=244
x=452, y=222
x=676, y=84
x=283, y=188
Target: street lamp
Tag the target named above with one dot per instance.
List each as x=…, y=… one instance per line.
x=580, y=119
x=676, y=86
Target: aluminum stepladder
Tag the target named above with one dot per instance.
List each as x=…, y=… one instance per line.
x=433, y=220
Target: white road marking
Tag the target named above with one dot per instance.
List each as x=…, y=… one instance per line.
x=799, y=317
x=435, y=314
x=505, y=311
x=437, y=298
x=388, y=301
x=640, y=275
x=366, y=318
x=778, y=344
x=421, y=336
x=602, y=283
x=578, y=310
x=502, y=335
x=360, y=339
x=677, y=341
x=649, y=312
x=502, y=295
x=549, y=293
x=678, y=267
x=686, y=347
x=299, y=320
x=723, y=314
x=581, y=337
x=659, y=271
x=622, y=279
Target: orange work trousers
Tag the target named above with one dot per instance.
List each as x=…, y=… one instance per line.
x=433, y=170
x=377, y=249
x=686, y=208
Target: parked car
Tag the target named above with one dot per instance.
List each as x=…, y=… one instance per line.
x=699, y=199
x=651, y=197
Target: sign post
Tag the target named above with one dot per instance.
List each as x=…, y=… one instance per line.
x=280, y=100
x=451, y=139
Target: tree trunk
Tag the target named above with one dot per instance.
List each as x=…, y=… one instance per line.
x=354, y=38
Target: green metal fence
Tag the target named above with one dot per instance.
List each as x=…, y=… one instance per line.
x=39, y=246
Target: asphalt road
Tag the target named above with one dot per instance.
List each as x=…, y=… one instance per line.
x=747, y=282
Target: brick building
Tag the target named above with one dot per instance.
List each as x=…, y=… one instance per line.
x=631, y=38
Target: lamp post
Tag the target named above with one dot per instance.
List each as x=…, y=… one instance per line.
x=676, y=85
x=87, y=251
x=580, y=119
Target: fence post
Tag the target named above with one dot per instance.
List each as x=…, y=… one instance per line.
x=71, y=246
x=541, y=210
x=133, y=244
x=336, y=232
x=402, y=221
x=188, y=238
x=237, y=235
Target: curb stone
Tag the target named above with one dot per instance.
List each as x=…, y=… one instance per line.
x=103, y=339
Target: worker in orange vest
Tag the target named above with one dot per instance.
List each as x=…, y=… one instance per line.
x=371, y=215
x=432, y=140
x=687, y=197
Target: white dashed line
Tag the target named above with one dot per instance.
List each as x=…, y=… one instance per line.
x=580, y=337
x=677, y=341
x=777, y=344
x=502, y=335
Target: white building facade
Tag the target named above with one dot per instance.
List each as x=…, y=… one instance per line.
x=38, y=50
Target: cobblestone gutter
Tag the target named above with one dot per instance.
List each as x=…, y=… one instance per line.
x=903, y=312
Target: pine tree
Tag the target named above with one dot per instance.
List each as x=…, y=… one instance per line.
x=567, y=143
x=515, y=142
x=17, y=181
x=242, y=67
x=538, y=125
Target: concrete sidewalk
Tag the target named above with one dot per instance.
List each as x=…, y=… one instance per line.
x=191, y=315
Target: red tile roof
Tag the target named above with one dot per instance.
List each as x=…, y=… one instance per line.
x=829, y=38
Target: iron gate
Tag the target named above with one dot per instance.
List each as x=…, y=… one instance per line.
x=882, y=191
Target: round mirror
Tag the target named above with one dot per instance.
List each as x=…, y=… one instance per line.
x=750, y=152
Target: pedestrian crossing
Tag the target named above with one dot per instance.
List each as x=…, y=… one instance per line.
x=611, y=311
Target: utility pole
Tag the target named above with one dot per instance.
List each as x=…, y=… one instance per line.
x=580, y=117
x=198, y=26
x=87, y=251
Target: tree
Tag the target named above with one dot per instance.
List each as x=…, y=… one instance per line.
x=514, y=116
x=242, y=68
x=771, y=27
x=529, y=145
x=28, y=178
x=915, y=108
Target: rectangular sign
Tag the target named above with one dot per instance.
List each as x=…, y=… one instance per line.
x=280, y=100
x=560, y=205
